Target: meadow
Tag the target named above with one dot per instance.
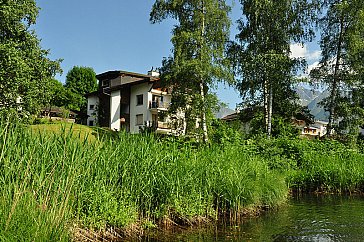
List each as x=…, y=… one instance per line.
x=63, y=185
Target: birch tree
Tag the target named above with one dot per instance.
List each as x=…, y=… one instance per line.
x=262, y=51
x=197, y=61
x=339, y=68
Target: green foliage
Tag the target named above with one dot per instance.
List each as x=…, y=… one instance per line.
x=198, y=60
x=329, y=167
x=339, y=68
x=59, y=179
x=223, y=133
x=80, y=81
x=281, y=127
x=261, y=53
x=59, y=96
x=53, y=180
x=24, y=67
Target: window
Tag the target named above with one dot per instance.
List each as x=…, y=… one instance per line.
x=139, y=99
x=105, y=83
x=139, y=119
x=92, y=107
x=91, y=123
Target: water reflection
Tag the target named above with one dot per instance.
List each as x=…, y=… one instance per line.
x=306, y=218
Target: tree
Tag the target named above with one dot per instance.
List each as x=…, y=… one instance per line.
x=58, y=95
x=197, y=62
x=80, y=81
x=262, y=52
x=24, y=66
x=340, y=66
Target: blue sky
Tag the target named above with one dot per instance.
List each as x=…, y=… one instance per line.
x=114, y=35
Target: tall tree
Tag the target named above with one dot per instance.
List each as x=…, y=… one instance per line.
x=58, y=95
x=262, y=51
x=80, y=81
x=24, y=66
x=339, y=27
x=197, y=62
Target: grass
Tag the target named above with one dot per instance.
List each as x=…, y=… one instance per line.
x=81, y=132
x=52, y=182
x=314, y=166
x=58, y=177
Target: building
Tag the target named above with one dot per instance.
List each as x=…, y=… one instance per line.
x=58, y=114
x=306, y=126
x=307, y=129
x=131, y=102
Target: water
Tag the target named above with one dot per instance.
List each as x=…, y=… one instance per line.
x=307, y=218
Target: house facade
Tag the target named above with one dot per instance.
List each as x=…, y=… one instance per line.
x=311, y=130
x=131, y=102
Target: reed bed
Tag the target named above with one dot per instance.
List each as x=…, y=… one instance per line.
x=54, y=182
x=329, y=167
x=313, y=165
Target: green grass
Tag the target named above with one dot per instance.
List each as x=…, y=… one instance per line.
x=51, y=182
x=313, y=166
x=78, y=131
x=54, y=178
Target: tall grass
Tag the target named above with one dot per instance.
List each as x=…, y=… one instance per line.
x=52, y=182
x=313, y=165
x=329, y=167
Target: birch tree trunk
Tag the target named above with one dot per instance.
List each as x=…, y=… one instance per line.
x=202, y=83
x=270, y=111
x=266, y=108
x=336, y=79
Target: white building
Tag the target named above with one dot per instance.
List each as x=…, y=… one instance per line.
x=316, y=129
x=131, y=102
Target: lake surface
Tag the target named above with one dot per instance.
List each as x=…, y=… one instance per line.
x=305, y=218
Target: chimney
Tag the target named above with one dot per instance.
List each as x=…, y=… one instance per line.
x=153, y=72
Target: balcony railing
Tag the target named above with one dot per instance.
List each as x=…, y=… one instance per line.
x=163, y=125
x=158, y=125
x=158, y=105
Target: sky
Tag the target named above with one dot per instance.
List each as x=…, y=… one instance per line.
x=117, y=35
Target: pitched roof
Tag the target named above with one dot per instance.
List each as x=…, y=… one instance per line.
x=114, y=74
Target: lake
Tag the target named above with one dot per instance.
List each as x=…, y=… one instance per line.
x=304, y=218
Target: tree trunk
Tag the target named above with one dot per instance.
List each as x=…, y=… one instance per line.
x=270, y=111
x=336, y=80
x=266, y=106
x=203, y=113
x=202, y=83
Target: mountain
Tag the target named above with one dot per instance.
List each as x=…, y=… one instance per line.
x=311, y=99
x=223, y=112
x=307, y=97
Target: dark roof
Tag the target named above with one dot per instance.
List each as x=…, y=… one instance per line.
x=57, y=110
x=95, y=93
x=114, y=74
x=231, y=117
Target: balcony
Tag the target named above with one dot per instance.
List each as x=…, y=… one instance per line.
x=158, y=105
x=163, y=125
x=160, y=127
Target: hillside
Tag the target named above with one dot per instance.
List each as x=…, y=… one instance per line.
x=312, y=99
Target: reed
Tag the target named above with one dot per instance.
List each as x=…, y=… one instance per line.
x=52, y=182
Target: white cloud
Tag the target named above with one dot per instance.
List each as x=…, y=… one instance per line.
x=298, y=51
x=301, y=51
